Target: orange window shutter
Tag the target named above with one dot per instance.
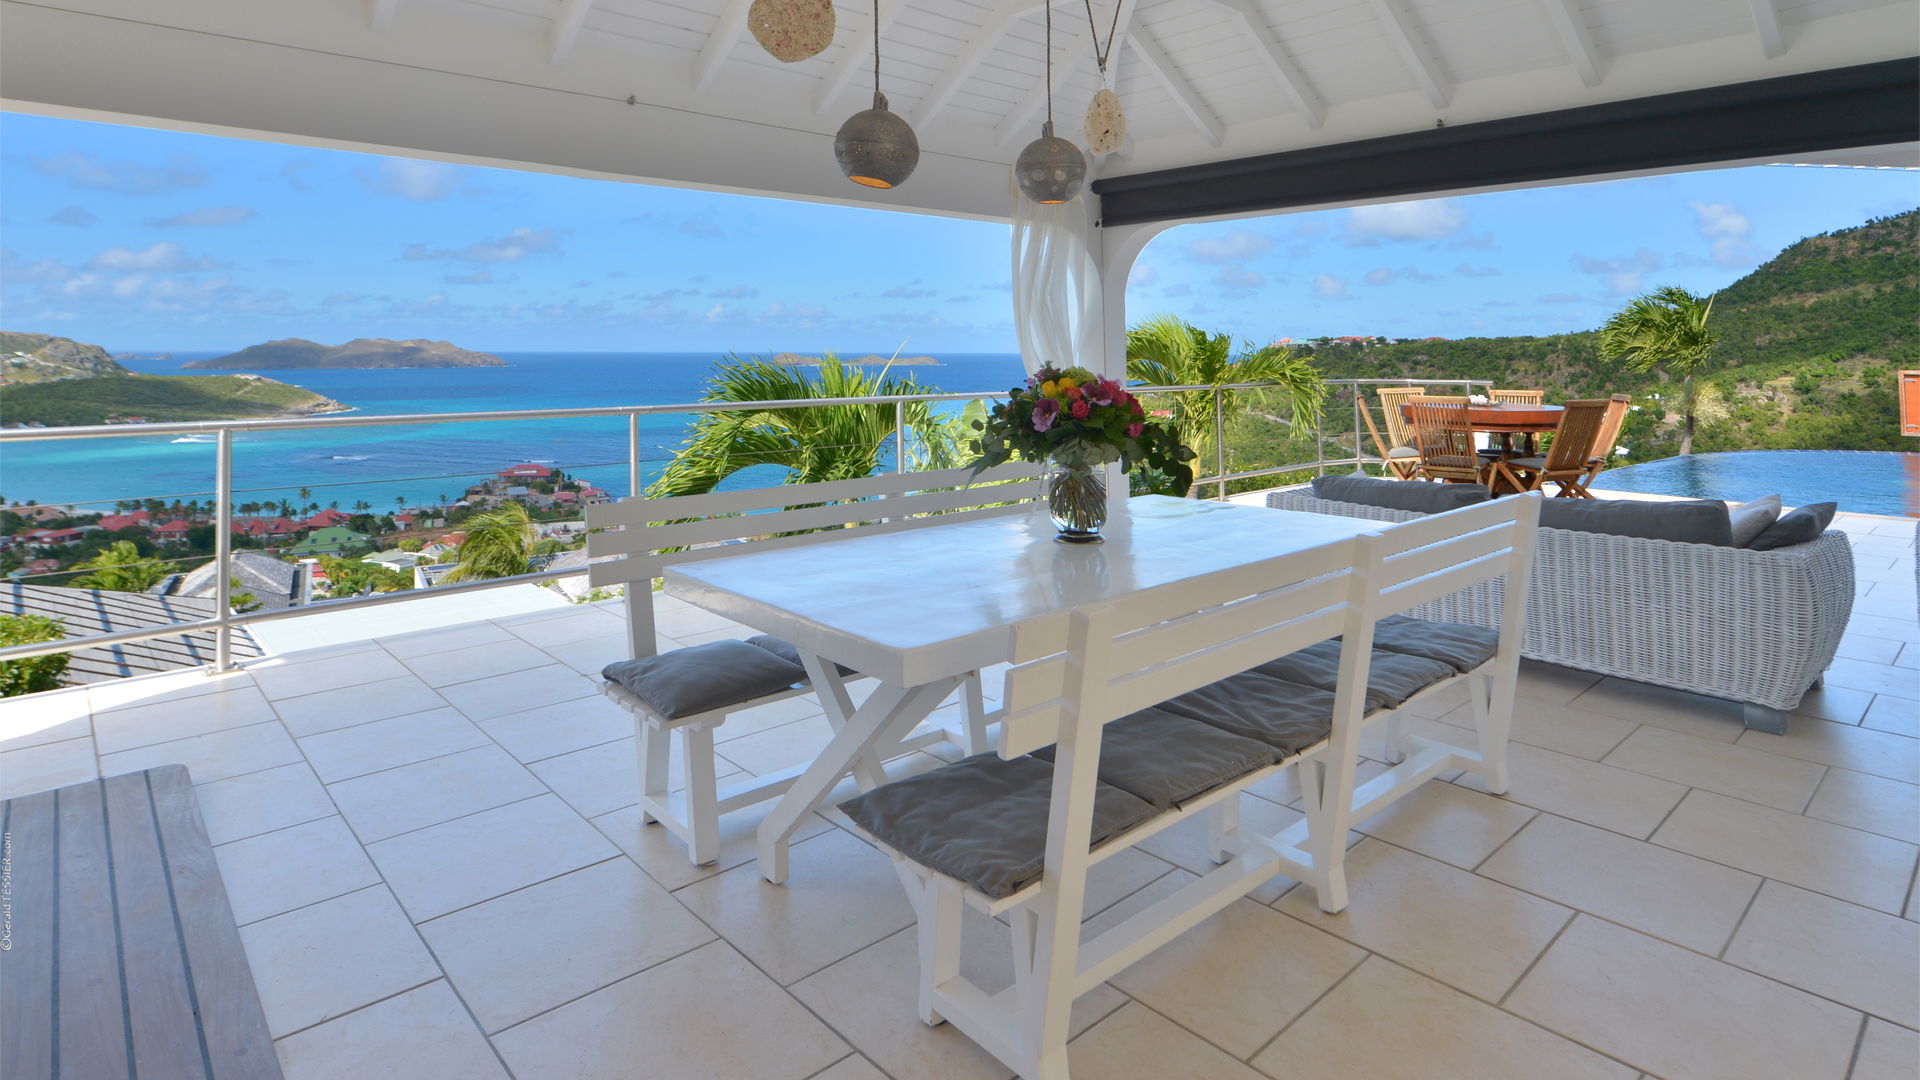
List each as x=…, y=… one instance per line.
x=1910, y=403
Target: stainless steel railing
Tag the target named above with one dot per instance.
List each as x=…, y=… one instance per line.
x=225, y=620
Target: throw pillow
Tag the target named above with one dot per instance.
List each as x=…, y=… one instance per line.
x=1419, y=497
x=1797, y=527
x=1688, y=521
x=1750, y=519
x=700, y=678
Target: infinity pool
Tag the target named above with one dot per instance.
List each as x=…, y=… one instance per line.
x=1865, y=482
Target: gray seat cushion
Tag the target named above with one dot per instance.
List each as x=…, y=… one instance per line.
x=701, y=678
x=1796, y=527
x=784, y=649
x=1536, y=462
x=1392, y=677
x=1689, y=521
x=1398, y=494
x=1166, y=759
x=1403, y=452
x=1286, y=716
x=983, y=820
x=1457, y=645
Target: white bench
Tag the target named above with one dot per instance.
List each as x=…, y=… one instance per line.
x=648, y=535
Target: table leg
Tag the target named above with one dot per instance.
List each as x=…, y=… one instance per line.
x=830, y=687
x=886, y=717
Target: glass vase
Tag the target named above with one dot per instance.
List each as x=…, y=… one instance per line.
x=1077, y=501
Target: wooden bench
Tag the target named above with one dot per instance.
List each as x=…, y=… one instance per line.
x=121, y=960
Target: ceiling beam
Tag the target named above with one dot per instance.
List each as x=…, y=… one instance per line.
x=972, y=53
x=380, y=13
x=1766, y=19
x=1393, y=18
x=854, y=59
x=566, y=29
x=733, y=23
x=1278, y=63
x=1147, y=47
x=1575, y=41
x=1036, y=98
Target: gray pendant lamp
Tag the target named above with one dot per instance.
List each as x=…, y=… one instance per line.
x=1051, y=170
x=876, y=148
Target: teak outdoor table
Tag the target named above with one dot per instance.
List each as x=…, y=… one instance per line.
x=920, y=608
x=1507, y=420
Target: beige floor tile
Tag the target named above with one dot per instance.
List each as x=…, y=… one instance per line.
x=664, y=857
x=486, y=661
x=38, y=719
x=853, y=1067
x=212, y=757
x=330, y=958
x=276, y=872
x=555, y=634
x=1625, y=802
x=1568, y=730
x=1879, y=626
x=528, y=951
x=1847, y=863
x=1384, y=1022
x=384, y=804
x=1449, y=823
x=605, y=778
x=1898, y=715
x=766, y=717
x=842, y=896
x=441, y=639
x=1678, y=1014
x=262, y=802
x=1873, y=650
x=1854, y=955
x=153, y=689
x=517, y=691
x=1676, y=710
x=705, y=1014
x=447, y=867
x=1551, y=682
x=685, y=622
x=1742, y=771
x=1185, y=845
x=181, y=718
x=1469, y=932
x=297, y=675
x=1652, y=889
x=420, y=1034
x=780, y=747
x=590, y=655
x=1241, y=976
x=1887, y=1053
x=389, y=744
x=1135, y=1043
x=333, y=709
x=1909, y=657
x=1873, y=803
x=50, y=765
x=1878, y=752
x=1877, y=678
x=560, y=728
x=1840, y=704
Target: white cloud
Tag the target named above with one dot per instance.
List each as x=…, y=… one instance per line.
x=1386, y=275
x=1469, y=270
x=909, y=292
x=1238, y=245
x=478, y=277
x=1176, y=290
x=77, y=216
x=512, y=247
x=736, y=292
x=206, y=217
x=162, y=258
x=12, y=270
x=1429, y=219
x=1727, y=230
x=1238, y=279
x=86, y=170
x=1623, y=275
x=1142, y=275
x=413, y=180
x=1328, y=287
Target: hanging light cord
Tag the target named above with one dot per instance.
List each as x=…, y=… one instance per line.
x=1100, y=54
x=876, y=46
x=1049, y=75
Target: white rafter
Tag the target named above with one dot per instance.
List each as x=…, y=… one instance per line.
x=1766, y=19
x=1147, y=47
x=1029, y=106
x=1574, y=39
x=976, y=49
x=380, y=13
x=1278, y=62
x=1393, y=18
x=733, y=23
x=566, y=28
x=855, y=59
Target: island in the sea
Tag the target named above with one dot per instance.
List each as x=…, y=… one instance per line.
x=787, y=359
x=48, y=381
x=291, y=353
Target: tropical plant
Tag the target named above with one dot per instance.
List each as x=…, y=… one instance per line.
x=1166, y=350
x=120, y=568
x=239, y=599
x=1664, y=330
x=34, y=673
x=813, y=443
x=499, y=543
x=352, y=577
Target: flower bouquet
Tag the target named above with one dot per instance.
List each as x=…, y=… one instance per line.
x=1078, y=422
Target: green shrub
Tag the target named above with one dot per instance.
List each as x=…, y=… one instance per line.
x=36, y=673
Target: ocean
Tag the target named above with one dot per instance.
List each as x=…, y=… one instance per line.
x=388, y=467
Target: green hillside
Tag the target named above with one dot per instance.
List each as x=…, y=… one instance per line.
x=157, y=398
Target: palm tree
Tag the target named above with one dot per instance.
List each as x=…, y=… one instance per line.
x=1166, y=350
x=361, y=506
x=812, y=443
x=498, y=544
x=120, y=568
x=1664, y=330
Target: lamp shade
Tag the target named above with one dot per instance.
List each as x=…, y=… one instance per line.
x=876, y=148
x=1050, y=170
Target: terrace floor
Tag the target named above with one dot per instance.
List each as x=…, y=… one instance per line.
x=431, y=845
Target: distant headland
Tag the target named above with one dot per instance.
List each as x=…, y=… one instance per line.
x=787, y=359
x=289, y=353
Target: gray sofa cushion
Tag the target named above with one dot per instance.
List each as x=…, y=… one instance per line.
x=1750, y=519
x=983, y=820
x=701, y=678
x=1166, y=758
x=1286, y=716
x=1392, y=677
x=784, y=649
x=1797, y=527
x=1398, y=494
x=1457, y=645
x=1689, y=521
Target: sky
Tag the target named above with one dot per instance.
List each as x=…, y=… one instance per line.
x=144, y=240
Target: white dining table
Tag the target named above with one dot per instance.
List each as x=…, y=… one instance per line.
x=920, y=608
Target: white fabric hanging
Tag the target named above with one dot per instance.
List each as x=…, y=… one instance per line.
x=1056, y=282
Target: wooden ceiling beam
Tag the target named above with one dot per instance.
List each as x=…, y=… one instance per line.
x=972, y=53
x=1029, y=106
x=1766, y=20
x=855, y=59
x=1574, y=39
x=565, y=31
x=1278, y=62
x=733, y=23
x=1393, y=18
x=1147, y=47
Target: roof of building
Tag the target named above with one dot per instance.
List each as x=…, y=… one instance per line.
x=102, y=611
x=327, y=517
x=272, y=582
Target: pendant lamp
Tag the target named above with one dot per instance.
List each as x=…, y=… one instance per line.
x=876, y=148
x=1050, y=170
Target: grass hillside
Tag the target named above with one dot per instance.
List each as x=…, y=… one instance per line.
x=157, y=398
x=37, y=358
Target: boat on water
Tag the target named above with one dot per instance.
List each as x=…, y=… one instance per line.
x=196, y=439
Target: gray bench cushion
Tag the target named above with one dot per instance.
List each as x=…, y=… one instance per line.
x=1286, y=716
x=1689, y=521
x=1166, y=758
x=701, y=678
x=1457, y=645
x=1392, y=677
x=983, y=820
x=1796, y=527
x=1398, y=494
x=784, y=649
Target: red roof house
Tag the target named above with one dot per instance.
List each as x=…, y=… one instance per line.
x=526, y=472
x=172, y=530
x=325, y=519
x=266, y=528
x=116, y=522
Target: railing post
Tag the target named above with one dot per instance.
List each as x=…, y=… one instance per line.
x=1358, y=468
x=223, y=552
x=900, y=436
x=1319, y=445
x=1220, y=444
x=633, y=455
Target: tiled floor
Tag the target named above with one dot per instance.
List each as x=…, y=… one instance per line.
x=432, y=843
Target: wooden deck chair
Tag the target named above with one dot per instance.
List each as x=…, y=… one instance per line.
x=1567, y=461
x=1443, y=433
x=1603, y=446
x=1401, y=461
x=1517, y=397
x=1402, y=457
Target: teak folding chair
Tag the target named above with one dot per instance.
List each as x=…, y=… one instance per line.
x=1517, y=397
x=1397, y=451
x=1603, y=446
x=1566, y=462
x=1443, y=433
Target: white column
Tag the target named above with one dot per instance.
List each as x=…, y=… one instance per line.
x=1114, y=251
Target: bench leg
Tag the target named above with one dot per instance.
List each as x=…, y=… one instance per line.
x=1328, y=850
x=1761, y=718
x=974, y=706
x=939, y=935
x=1222, y=821
x=651, y=747
x=1493, y=723
x=703, y=802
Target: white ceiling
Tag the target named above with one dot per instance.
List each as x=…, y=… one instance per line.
x=546, y=84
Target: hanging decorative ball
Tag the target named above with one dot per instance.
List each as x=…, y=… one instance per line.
x=1106, y=124
x=876, y=148
x=792, y=30
x=1050, y=170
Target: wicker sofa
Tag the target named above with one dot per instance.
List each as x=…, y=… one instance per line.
x=1754, y=627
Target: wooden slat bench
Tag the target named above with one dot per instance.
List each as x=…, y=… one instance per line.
x=121, y=958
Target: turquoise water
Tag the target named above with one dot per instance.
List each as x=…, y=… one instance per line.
x=1861, y=481
x=389, y=466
